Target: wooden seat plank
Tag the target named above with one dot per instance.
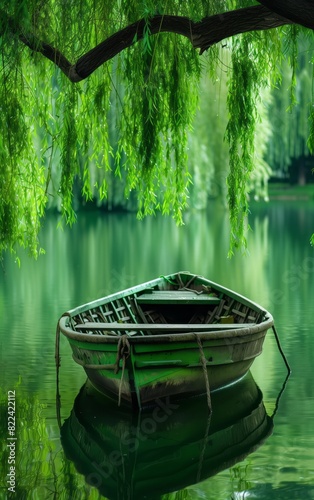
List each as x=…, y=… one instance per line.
x=176, y=297
x=165, y=328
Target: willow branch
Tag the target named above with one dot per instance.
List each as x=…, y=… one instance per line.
x=202, y=35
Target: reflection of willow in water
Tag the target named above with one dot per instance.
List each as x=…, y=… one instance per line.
x=25, y=450
x=128, y=456
x=35, y=467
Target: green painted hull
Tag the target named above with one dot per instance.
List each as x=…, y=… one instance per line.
x=137, y=367
x=146, y=455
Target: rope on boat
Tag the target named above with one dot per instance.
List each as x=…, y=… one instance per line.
x=174, y=283
x=279, y=396
x=204, y=365
x=123, y=352
x=58, y=364
x=280, y=350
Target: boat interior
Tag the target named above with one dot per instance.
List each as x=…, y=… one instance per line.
x=166, y=310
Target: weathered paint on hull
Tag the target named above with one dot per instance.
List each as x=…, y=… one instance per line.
x=167, y=369
x=180, y=383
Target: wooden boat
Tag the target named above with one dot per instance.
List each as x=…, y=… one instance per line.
x=148, y=454
x=176, y=335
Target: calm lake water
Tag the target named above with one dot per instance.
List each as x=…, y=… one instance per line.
x=105, y=454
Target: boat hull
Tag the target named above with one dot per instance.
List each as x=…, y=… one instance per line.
x=168, y=368
x=138, y=369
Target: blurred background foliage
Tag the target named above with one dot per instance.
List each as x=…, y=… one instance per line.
x=156, y=128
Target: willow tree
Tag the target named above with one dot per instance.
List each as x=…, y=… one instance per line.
x=290, y=130
x=114, y=84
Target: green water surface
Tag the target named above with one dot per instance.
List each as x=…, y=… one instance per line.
x=105, y=253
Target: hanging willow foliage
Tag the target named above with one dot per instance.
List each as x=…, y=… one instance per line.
x=132, y=116
x=158, y=110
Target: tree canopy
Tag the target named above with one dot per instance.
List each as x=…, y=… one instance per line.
x=92, y=87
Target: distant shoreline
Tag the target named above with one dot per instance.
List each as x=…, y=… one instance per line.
x=288, y=192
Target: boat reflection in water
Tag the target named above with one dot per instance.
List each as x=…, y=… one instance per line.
x=145, y=455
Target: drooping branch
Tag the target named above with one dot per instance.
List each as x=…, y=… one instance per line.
x=36, y=45
x=202, y=34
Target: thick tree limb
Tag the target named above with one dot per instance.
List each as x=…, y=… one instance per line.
x=36, y=45
x=297, y=11
x=202, y=34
